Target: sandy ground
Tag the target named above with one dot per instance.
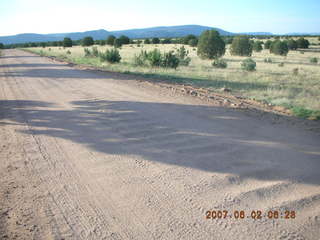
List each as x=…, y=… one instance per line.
x=87, y=155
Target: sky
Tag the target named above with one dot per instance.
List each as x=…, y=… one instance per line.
x=59, y=16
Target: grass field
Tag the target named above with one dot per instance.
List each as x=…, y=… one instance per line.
x=270, y=82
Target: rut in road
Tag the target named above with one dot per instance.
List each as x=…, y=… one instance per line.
x=90, y=155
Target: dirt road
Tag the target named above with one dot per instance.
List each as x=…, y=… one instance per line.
x=86, y=155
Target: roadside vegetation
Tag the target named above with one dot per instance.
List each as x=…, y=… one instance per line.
x=282, y=71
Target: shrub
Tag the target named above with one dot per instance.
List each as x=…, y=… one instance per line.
x=110, y=40
x=248, y=65
x=210, y=45
x=295, y=71
x=241, y=46
x=87, y=41
x=155, y=40
x=219, y=63
x=279, y=48
x=111, y=56
x=314, y=60
x=170, y=60
x=68, y=52
x=301, y=52
x=95, y=52
x=257, y=46
x=141, y=59
x=268, y=60
x=281, y=64
x=155, y=58
x=87, y=52
x=267, y=44
x=42, y=54
x=303, y=43
x=182, y=53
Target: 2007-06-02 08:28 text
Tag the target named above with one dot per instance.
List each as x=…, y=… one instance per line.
x=254, y=214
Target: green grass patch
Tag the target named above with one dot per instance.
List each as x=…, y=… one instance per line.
x=306, y=113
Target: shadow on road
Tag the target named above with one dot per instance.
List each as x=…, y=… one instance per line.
x=197, y=137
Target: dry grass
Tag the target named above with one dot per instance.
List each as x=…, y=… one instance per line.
x=270, y=83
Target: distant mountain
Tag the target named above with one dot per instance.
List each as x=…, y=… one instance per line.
x=257, y=33
x=164, y=32
x=96, y=34
x=160, y=32
x=26, y=37
x=303, y=34
x=33, y=37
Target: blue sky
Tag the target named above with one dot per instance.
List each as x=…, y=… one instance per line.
x=55, y=16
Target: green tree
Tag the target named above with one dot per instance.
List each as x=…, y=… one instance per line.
x=166, y=41
x=187, y=38
x=1, y=46
x=292, y=44
x=193, y=42
x=155, y=40
x=147, y=41
x=210, y=45
x=87, y=41
x=117, y=43
x=279, y=48
x=110, y=40
x=241, y=46
x=102, y=42
x=303, y=43
x=124, y=39
x=267, y=44
x=67, y=42
x=182, y=55
x=257, y=46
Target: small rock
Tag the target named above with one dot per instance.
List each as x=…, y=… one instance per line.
x=193, y=93
x=225, y=89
